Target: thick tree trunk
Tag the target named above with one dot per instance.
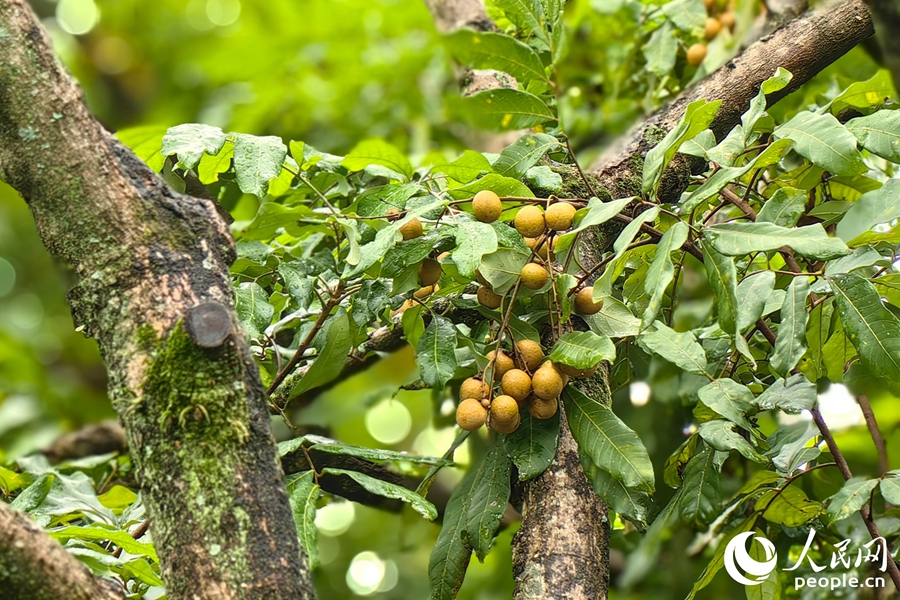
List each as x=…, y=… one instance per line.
x=154, y=292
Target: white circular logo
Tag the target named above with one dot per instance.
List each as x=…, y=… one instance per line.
x=736, y=552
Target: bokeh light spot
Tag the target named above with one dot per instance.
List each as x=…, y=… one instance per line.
x=388, y=421
x=366, y=573
x=77, y=16
x=7, y=277
x=639, y=393
x=335, y=518
x=223, y=12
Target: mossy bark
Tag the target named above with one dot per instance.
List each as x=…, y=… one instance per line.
x=194, y=411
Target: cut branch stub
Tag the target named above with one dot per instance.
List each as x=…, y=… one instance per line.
x=208, y=324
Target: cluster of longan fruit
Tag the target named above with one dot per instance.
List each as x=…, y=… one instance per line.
x=696, y=54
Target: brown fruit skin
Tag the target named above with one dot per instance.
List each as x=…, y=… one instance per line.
x=584, y=302
x=559, y=216
x=487, y=206
x=474, y=388
x=487, y=298
x=709, y=4
x=530, y=355
x=577, y=373
x=503, y=363
x=424, y=292
x=727, y=19
x=504, y=410
x=543, y=409
x=712, y=28
x=470, y=414
x=429, y=272
x=530, y=221
x=547, y=382
x=403, y=308
x=480, y=279
x=516, y=383
x=507, y=428
x=411, y=229
x=534, y=276
x=696, y=54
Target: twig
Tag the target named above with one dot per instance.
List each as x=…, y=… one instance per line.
x=877, y=438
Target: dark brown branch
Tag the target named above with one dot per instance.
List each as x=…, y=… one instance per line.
x=35, y=566
x=877, y=438
x=91, y=440
x=886, y=14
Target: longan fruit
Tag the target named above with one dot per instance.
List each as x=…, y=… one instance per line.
x=470, y=414
x=403, y=308
x=542, y=251
x=577, y=373
x=429, y=272
x=487, y=298
x=440, y=257
x=584, y=302
x=543, y=409
x=504, y=410
x=392, y=211
x=487, y=206
x=516, y=383
x=534, y=276
x=530, y=354
x=480, y=278
x=424, y=292
x=530, y=221
x=502, y=364
x=696, y=54
x=411, y=229
x=547, y=382
x=727, y=19
x=559, y=216
x=474, y=388
x=712, y=28
x=507, y=428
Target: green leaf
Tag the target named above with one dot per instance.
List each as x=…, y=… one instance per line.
x=607, y=441
x=630, y=503
x=323, y=444
x=436, y=352
x=792, y=395
x=502, y=268
x=872, y=328
x=754, y=292
x=721, y=435
x=730, y=399
x=502, y=186
x=686, y=15
x=583, y=349
x=211, y=167
x=190, y=141
x=330, y=361
x=528, y=15
x=488, y=500
x=506, y=109
x=701, y=492
x=303, y=492
x=488, y=50
x=388, y=490
x=595, y=213
x=718, y=560
x=770, y=587
x=722, y=276
x=784, y=208
x=524, y=153
x=377, y=152
x=879, y=133
x=890, y=488
x=696, y=118
x=791, y=341
x=99, y=532
x=466, y=168
x=615, y=319
x=450, y=556
x=661, y=50
x=257, y=161
x=823, y=141
x=146, y=143
x=251, y=303
x=876, y=208
x=662, y=271
x=473, y=241
x=532, y=446
x=865, y=95
x=545, y=178
x=852, y=497
x=738, y=239
x=791, y=508
x=680, y=349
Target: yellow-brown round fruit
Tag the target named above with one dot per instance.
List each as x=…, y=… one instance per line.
x=541, y=251
x=487, y=298
x=474, y=388
x=403, y=308
x=584, y=302
x=411, y=229
x=534, y=276
x=727, y=19
x=429, y=272
x=516, y=383
x=709, y=4
x=577, y=373
x=543, y=409
x=547, y=382
x=487, y=206
x=507, y=428
x=530, y=221
x=530, y=354
x=712, y=28
x=470, y=414
x=504, y=410
x=392, y=211
x=480, y=278
x=696, y=54
x=559, y=216
x=424, y=292
x=502, y=364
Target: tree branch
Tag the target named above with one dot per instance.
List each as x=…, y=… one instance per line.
x=154, y=291
x=35, y=566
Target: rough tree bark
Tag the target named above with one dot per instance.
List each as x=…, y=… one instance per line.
x=154, y=292
x=886, y=14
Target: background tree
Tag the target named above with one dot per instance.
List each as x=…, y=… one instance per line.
x=675, y=261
